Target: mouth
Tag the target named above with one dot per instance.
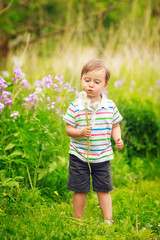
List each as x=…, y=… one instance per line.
x=90, y=90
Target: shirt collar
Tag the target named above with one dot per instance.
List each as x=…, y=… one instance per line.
x=103, y=103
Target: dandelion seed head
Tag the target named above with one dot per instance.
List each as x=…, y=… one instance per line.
x=86, y=102
x=96, y=105
x=83, y=94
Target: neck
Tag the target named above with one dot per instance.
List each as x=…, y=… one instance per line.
x=95, y=99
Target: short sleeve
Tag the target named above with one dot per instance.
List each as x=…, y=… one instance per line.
x=69, y=117
x=116, y=115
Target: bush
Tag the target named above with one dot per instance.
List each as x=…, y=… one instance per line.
x=142, y=138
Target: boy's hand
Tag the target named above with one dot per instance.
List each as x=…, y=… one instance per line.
x=119, y=144
x=87, y=131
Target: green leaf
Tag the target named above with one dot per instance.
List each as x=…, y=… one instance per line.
x=19, y=178
x=52, y=167
x=9, y=146
x=16, y=153
x=42, y=174
x=16, y=134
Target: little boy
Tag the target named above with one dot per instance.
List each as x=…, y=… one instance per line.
x=94, y=78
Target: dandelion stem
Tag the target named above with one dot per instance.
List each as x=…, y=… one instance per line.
x=87, y=144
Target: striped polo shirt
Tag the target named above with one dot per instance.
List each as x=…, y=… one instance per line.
x=102, y=120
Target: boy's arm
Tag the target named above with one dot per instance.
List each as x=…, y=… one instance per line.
x=75, y=132
x=116, y=134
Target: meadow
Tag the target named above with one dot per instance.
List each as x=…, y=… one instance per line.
x=36, y=87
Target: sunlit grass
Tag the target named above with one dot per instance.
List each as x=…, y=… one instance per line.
x=135, y=212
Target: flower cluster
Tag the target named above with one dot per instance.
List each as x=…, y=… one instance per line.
x=14, y=114
x=30, y=101
x=4, y=99
x=42, y=90
x=20, y=77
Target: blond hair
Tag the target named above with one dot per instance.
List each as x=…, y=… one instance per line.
x=96, y=64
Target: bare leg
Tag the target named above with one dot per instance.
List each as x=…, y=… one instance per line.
x=105, y=203
x=79, y=201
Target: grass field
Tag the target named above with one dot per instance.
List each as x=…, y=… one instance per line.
x=135, y=211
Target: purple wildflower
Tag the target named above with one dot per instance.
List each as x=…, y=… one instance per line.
x=8, y=101
x=24, y=104
x=32, y=97
x=1, y=107
x=119, y=82
x=2, y=84
x=59, y=99
x=5, y=94
x=17, y=72
x=14, y=114
x=30, y=100
x=38, y=90
x=48, y=106
x=14, y=79
x=52, y=105
x=57, y=111
x=58, y=77
x=47, y=81
x=25, y=83
x=67, y=84
x=38, y=83
x=158, y=84
x=48, y=99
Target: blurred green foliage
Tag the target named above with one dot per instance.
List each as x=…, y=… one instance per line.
x=142, y=128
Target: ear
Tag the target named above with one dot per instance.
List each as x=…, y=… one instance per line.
x=106, y=84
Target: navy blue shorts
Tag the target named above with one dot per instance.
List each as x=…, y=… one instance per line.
x=79, y=176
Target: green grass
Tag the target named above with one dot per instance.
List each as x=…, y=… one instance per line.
x=135, y=211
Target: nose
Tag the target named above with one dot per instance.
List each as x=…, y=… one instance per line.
x=91, y=83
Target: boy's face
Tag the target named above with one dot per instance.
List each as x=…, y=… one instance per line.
x=94, y=82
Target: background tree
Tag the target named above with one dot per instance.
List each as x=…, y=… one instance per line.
x=44, y=18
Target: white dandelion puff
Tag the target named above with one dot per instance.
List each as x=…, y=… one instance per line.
x=96, y=105
x=86, y=102
x=83, y=94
